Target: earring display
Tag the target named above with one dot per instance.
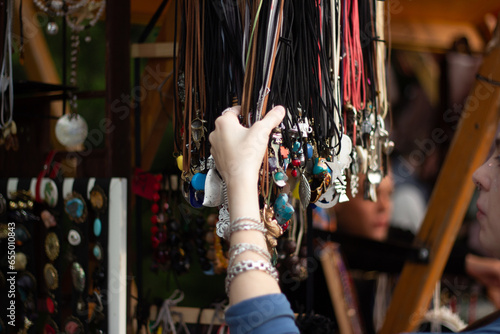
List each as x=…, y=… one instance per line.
x=63, y=256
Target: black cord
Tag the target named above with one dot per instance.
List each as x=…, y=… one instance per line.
x=64, y=61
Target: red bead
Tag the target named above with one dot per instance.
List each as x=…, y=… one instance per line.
x=156, y=197
x=156, y=186
x=159, y=177
x=155, y=208
x=154, y=229
x=154, y=219
x=285, y=226
x=294, y=173
x=155, y=242
x=50, y=305
x=296, y=162
x=49, y=329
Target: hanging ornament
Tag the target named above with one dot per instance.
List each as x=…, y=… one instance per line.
x=52, y=28
x=71, y=130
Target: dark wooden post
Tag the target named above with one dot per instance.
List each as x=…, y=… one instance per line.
x=118, y=99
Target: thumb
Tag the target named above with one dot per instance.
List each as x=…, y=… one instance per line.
x=272, y=119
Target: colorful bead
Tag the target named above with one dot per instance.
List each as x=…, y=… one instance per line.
x=285, y=226
x=154, y=229
x=296, y=162
x=282, y=209
x=294, y=173
x=320, y=167
x=97, y=251
x=97, y=227
x=309, y=151
x=296, y=146
x=180, y=162
x=155, y=208
x=279, y=176
x=198, y=181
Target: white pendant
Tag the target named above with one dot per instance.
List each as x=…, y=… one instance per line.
x=71, y=130
x=213, y=190
x=328, y=199
x=342, y=160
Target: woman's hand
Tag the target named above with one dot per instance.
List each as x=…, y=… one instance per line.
x=485, y=270
x=238, y=151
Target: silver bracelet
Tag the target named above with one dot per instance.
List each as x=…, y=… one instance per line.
x=239, y=219
x=245, y=226
x=238, y=249
x=247, y=265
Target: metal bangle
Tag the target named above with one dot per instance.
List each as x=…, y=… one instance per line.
x=241, y=226
x=238, y=249
x=239, y=219
x=247, y=265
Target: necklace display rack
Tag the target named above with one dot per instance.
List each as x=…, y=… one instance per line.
x=324, y=61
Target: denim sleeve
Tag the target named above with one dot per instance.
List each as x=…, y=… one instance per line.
x=264, y=314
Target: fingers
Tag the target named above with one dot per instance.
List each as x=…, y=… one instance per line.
x=236, y=110
x=275, y=116
x=272, y=119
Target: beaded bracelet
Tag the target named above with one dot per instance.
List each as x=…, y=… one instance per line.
x=241, y=226
x=238, y=249
x=247, y=265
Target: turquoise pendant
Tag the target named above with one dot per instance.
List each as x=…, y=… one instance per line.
x=282, y=209
x=97, y=227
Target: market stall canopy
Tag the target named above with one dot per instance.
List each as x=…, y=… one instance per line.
x=434, y=25
x=415, y=25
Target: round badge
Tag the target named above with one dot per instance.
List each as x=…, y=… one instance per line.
x=97, y=251
x=74, y=237
x=51, y=276
x=48, y=219
x=3, y=205
x=50, y=193
x=76, y=208
x=26, y=281
x=50, y=328
x=49, y=305
x=72, y=325
x=22, y=234
x=52, y=246
x=98, y=199
x=4, y=231
x=78, y=276
x=21, y=261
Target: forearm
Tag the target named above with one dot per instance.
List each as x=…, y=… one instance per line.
x=243, y=202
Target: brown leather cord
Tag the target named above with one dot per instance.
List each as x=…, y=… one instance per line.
x=250, y=68
x=188, y=107
x=200, y=34
x=273, y=59
x=265, y=177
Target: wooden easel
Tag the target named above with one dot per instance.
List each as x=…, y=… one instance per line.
x=451, y=196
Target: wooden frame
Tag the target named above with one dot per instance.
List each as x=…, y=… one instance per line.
x=451, y=196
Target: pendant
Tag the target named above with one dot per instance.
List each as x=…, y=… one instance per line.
x=51, y=276
x=76, y=208
x=52, y=246
x=213, y=189
x=98, y=199
x=304, y=191
x=78, y=277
